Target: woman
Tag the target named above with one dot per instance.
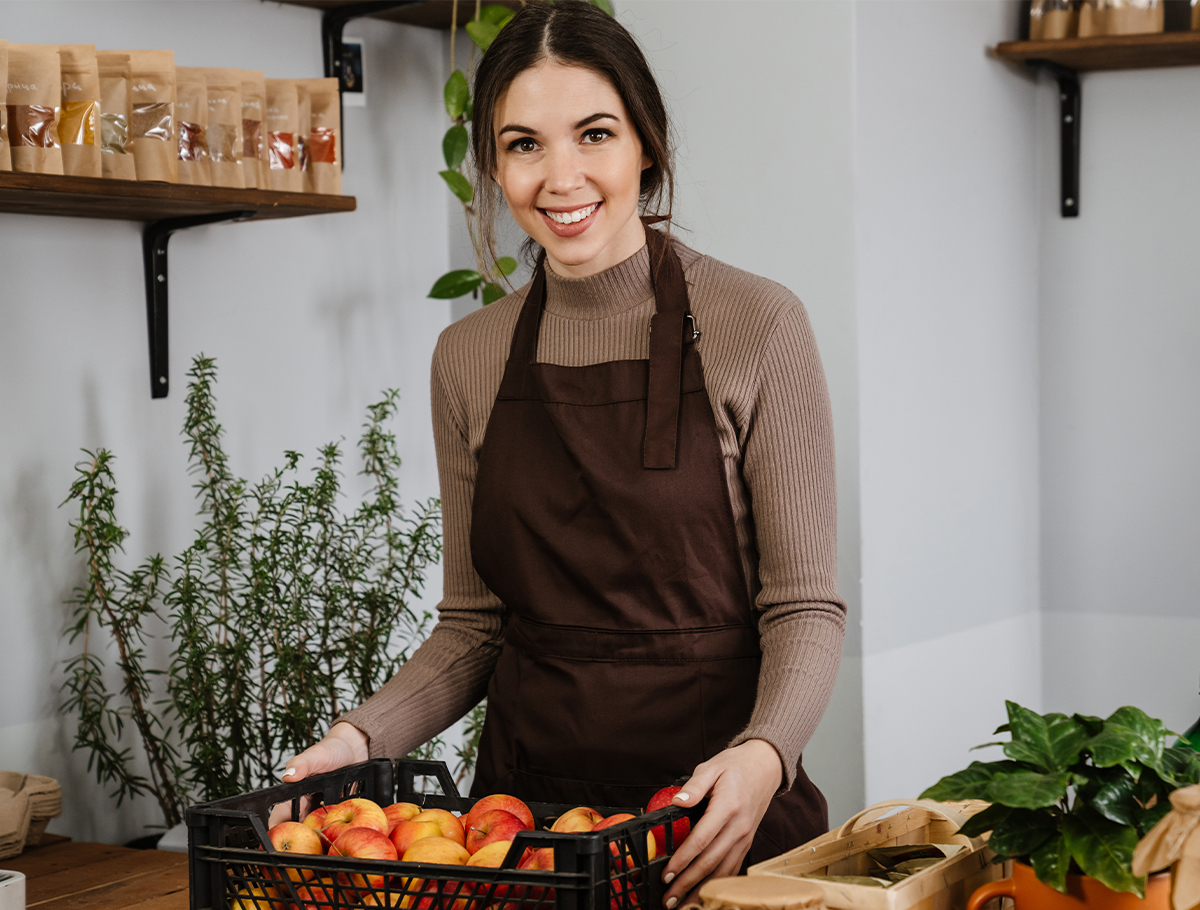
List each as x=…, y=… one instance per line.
x=636, y=461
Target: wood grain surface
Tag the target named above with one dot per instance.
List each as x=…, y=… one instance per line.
x=83, y=876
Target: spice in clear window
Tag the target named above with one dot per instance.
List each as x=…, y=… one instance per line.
x=282, y=125
x=31, y=105
x=79, y=117
x=116, y=158
x=191, y=112
x=254, y=150
x=152, y=136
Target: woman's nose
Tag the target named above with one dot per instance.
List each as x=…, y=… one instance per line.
x=563, y=171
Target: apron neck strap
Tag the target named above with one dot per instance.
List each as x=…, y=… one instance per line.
x=667, y=333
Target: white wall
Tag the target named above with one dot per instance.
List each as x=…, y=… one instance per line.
x=309, y=319
x=946, y=272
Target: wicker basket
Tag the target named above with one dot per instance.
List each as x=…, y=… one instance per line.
x=27, y=803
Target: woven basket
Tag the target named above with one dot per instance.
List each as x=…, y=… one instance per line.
x=27, y=803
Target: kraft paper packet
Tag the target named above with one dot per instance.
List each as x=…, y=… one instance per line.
x=191, y=115
x=304, y=121
x=282, y=123
x=116, y=158
x=5, y=157
x=79, y=118
x=34, y=93
x=15, y=812
x=153, y=137
x=1050, y=20
x=324, y=138
x=254, y=144
x=1120, y=17
x=225, y=143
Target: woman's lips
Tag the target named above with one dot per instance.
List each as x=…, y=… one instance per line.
x=575, y=228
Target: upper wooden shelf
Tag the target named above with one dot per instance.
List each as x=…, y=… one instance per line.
x=1108, y=52
x=129, y=200
x=428, y=13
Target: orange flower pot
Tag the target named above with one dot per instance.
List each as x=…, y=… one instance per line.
x=1083, y=893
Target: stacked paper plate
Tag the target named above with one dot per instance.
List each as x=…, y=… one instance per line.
x=27, y=803
x=14, y=821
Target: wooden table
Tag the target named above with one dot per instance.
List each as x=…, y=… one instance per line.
x=84, y=876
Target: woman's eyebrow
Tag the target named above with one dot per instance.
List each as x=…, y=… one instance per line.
x=516, y=128
x=592, y=119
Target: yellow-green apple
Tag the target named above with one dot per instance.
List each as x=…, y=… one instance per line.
x=500, y=801
x=255, y=898
x=294, y=837
x=410, y=831
x=354, y=813
x=579, y=819
x=435, y=849
x=399, y=812
x=364, y=843
x=491, y=857
x=623, y=861
x=448, y=825
x=681, y=826
x=491, y=826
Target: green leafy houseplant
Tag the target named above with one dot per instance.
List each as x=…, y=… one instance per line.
x=286, y=610
x=482, y=30
x=1075, y=794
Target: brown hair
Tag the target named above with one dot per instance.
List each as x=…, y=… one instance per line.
x=575, y=33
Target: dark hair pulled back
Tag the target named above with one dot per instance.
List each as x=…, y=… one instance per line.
x=574, y=33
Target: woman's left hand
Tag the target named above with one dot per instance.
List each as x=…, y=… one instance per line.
x=740, y=783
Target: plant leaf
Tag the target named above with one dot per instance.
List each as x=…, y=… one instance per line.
x=1129, y=735
x=1181, y=765
x=982, y=822
x=1051, y=861
x=459, y=185
x=1028, y=789
x=455, y=284
x=1148, y=818
x=1003, y=728
x=1022, y=832
x=456, y=94
x=482, y=33
x=1050, y=742
x=1103, y=849
x=496, y=15
x=492, y=292
x=1111, y=792
x=603, y=5
x=1089, y=722
x=973, y=782
x=506, y=265
x=454, y=146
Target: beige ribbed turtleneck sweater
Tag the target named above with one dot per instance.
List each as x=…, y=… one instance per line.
x=771, y=405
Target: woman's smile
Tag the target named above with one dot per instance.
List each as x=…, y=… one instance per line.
x=570, y=222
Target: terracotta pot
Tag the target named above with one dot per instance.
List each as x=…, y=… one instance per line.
x=1083, y=893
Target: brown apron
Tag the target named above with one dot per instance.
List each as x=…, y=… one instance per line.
x=602, y=521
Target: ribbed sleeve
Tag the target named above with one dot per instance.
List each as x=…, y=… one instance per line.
x=771, y=408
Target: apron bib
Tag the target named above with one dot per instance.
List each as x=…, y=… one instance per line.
x=602, y=521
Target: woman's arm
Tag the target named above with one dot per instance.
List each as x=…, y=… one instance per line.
x=448, y=674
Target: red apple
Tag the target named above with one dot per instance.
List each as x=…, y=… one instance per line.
x=406, y=833
x=448, y=825
x=491, y=857
x=624, y=895
x=364, y=843
x=579, y=819
x=293, y=837
x=500, y=801
x=681, y=826
x=354, y=813
x=542, y=858
x=315, y=895
x=623, y=861
x=399, y=812
x=491, y=826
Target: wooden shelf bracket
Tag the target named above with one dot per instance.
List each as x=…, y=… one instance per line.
x=155, y=235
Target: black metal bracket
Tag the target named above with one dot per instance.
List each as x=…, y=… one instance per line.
x=333, y=24
x=1070, y=104
x=155, y=235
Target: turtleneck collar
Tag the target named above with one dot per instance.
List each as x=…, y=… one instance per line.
x=622, y=287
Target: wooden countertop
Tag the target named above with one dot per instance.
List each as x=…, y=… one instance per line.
x=82, y=876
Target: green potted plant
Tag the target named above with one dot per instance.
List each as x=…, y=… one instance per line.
x=1071, y=801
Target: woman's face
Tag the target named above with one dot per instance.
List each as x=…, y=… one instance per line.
x=570, y=163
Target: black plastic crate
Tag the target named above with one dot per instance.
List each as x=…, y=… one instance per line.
x=229, y=852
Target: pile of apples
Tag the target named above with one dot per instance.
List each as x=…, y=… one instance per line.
x=360, y=828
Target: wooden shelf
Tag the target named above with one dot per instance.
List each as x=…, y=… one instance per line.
x=1108, y=52
x=427, y=14
x=128, y=200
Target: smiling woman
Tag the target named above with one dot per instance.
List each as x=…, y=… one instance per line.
x=640, y=554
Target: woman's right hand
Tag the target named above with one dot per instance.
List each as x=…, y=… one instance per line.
x=343, y=745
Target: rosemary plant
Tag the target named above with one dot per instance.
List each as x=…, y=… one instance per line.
x=285, y=611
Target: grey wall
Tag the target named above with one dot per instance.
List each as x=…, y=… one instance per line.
x=309, y=320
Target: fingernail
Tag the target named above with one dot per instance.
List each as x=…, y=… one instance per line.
x=668, y=878
x=289, y=773
x=671, y=902
x=682, y=797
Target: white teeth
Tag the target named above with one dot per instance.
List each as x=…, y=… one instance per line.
x=573, y=217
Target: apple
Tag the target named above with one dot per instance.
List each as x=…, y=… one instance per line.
x=540, y=859
x=316, y=818
x=500, y=801
x=437, y=850
x=406, y=833
x=448, y=825
x=493, y=825
x=623, y=861
x=624, y=895
x=491, y=857
x=255, y=898
x=681, y=826
x=354, y=813
x=364, y=843
x=579, y=819
x=399, y=812
x=316, y=895
x=294, y=837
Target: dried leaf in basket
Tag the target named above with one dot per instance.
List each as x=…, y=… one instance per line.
x=890, y=857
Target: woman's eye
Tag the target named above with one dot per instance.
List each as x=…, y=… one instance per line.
x=524, y=144
x=594, y=136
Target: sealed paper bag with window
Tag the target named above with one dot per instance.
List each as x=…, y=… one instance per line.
x=116, y=158
x=79, y=119
x=34, y=94
x=324, y=174
x=225, y=142
x=152, y=136
x=282, y=125
x=191, y=115
x=5, y=157
x=254, y=148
